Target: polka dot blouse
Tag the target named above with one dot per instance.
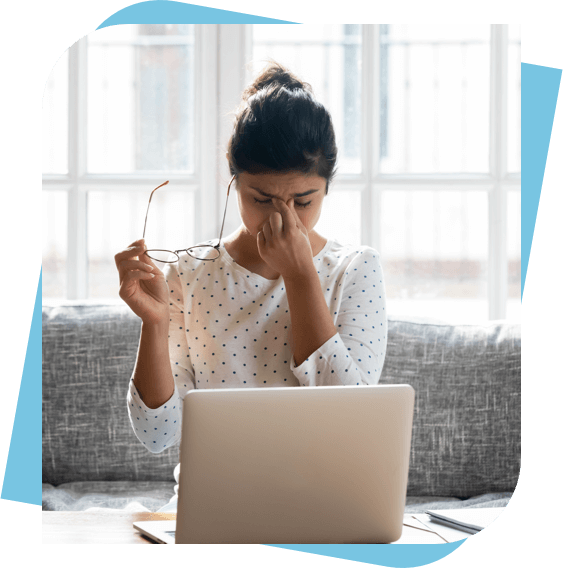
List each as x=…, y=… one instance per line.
x=230, y=328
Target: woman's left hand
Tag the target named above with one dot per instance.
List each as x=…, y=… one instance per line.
x=283, y=242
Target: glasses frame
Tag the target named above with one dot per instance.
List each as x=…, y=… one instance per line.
x=187, y=250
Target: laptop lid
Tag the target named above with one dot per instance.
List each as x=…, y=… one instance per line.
x=294, y=465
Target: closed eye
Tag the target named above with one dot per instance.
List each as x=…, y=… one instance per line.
x=296, y=202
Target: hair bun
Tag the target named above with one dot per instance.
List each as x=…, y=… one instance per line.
x=279, y=126
x=275, y=75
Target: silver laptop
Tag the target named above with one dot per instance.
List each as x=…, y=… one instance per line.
x=308, y=465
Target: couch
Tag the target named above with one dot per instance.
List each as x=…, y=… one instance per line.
x=465, y=448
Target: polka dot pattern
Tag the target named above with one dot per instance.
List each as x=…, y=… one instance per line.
x=230, y=328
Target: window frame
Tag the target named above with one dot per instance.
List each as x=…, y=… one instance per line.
x=221, y=72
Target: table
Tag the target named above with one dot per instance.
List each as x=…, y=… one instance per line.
x=77, y=527
x=81, y=527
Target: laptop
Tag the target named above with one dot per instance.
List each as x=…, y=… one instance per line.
x=308, y=465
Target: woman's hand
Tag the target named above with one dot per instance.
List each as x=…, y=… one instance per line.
x=283, y=242
x=142, y=285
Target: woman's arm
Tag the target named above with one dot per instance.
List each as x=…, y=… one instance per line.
x=311, y=323
x=153, y=373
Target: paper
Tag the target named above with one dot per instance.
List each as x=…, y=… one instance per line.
x=411, y=521
x=411, y=535
x=447, y=533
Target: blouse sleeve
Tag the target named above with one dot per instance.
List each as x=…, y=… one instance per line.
x=356, y=353
x=161, y=428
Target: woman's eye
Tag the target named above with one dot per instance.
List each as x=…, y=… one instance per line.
x=297, y=204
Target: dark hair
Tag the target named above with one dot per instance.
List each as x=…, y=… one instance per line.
x=281, y=127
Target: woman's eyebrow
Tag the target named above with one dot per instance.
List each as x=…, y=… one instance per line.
x=294, y=195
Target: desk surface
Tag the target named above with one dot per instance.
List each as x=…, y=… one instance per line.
x=77, y=527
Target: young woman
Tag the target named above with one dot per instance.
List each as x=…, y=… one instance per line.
x=281, y=305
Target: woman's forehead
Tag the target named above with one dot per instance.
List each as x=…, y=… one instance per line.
x=281, y=185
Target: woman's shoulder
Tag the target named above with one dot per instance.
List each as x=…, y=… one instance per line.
x=352, y=251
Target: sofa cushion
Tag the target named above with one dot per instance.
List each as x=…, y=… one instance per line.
x=89, y=352
x=466, y=429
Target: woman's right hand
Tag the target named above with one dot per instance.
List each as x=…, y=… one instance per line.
x=142, y=286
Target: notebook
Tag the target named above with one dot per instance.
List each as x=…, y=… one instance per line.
x=292, y=465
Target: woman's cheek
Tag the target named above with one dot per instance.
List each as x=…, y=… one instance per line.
x=253, y=220
x=308, y=219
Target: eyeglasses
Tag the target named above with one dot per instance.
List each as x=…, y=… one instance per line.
x=199, y=252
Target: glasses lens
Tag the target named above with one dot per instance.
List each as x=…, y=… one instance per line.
x=204, y=253
x=163, y=255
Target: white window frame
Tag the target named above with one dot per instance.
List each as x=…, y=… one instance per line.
x=496, y=183
x=222, y=54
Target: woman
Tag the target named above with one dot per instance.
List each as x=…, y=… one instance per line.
x=281, y=305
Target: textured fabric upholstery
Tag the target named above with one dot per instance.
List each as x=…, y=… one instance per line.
x=89, y=353
x=466, y=434
x=466, y=429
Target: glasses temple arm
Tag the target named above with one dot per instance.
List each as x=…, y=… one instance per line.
x=225, y=213
x=149, y=204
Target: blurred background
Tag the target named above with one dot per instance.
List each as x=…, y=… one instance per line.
x=427, y=120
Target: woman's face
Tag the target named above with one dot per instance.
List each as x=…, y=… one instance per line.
x=256, y=193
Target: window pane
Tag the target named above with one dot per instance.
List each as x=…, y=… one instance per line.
x=55, y=211
x=116, y=219
x=434, y=253
x=434, y=98
x=340, y=217
x=55, y=119
x=514, y=97
x=514, y=255
x=329, y=58
x=141, y=98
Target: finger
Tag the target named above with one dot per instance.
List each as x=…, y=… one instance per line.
x=141, y=247
x=291, y=207
x=148, y=260
x=260, y=243
x=276, y=223
x=130, y=252
x=300, y=224
x=267, y=231
x=130, y=266
x=133, y=275
x=135, y=265
x=129, y=282
x=289, y=217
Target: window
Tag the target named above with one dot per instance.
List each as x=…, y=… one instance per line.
x=127, y=97
x=429, y=186
x=140, y=99
x=427, y=120
x=328, y=58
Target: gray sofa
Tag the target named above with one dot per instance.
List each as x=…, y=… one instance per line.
x=466, y=433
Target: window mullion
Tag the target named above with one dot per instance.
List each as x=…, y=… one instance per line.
x=206, y=199
x=77, y=256
x=498, y=259
x=371, y=210
x=234, y=44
